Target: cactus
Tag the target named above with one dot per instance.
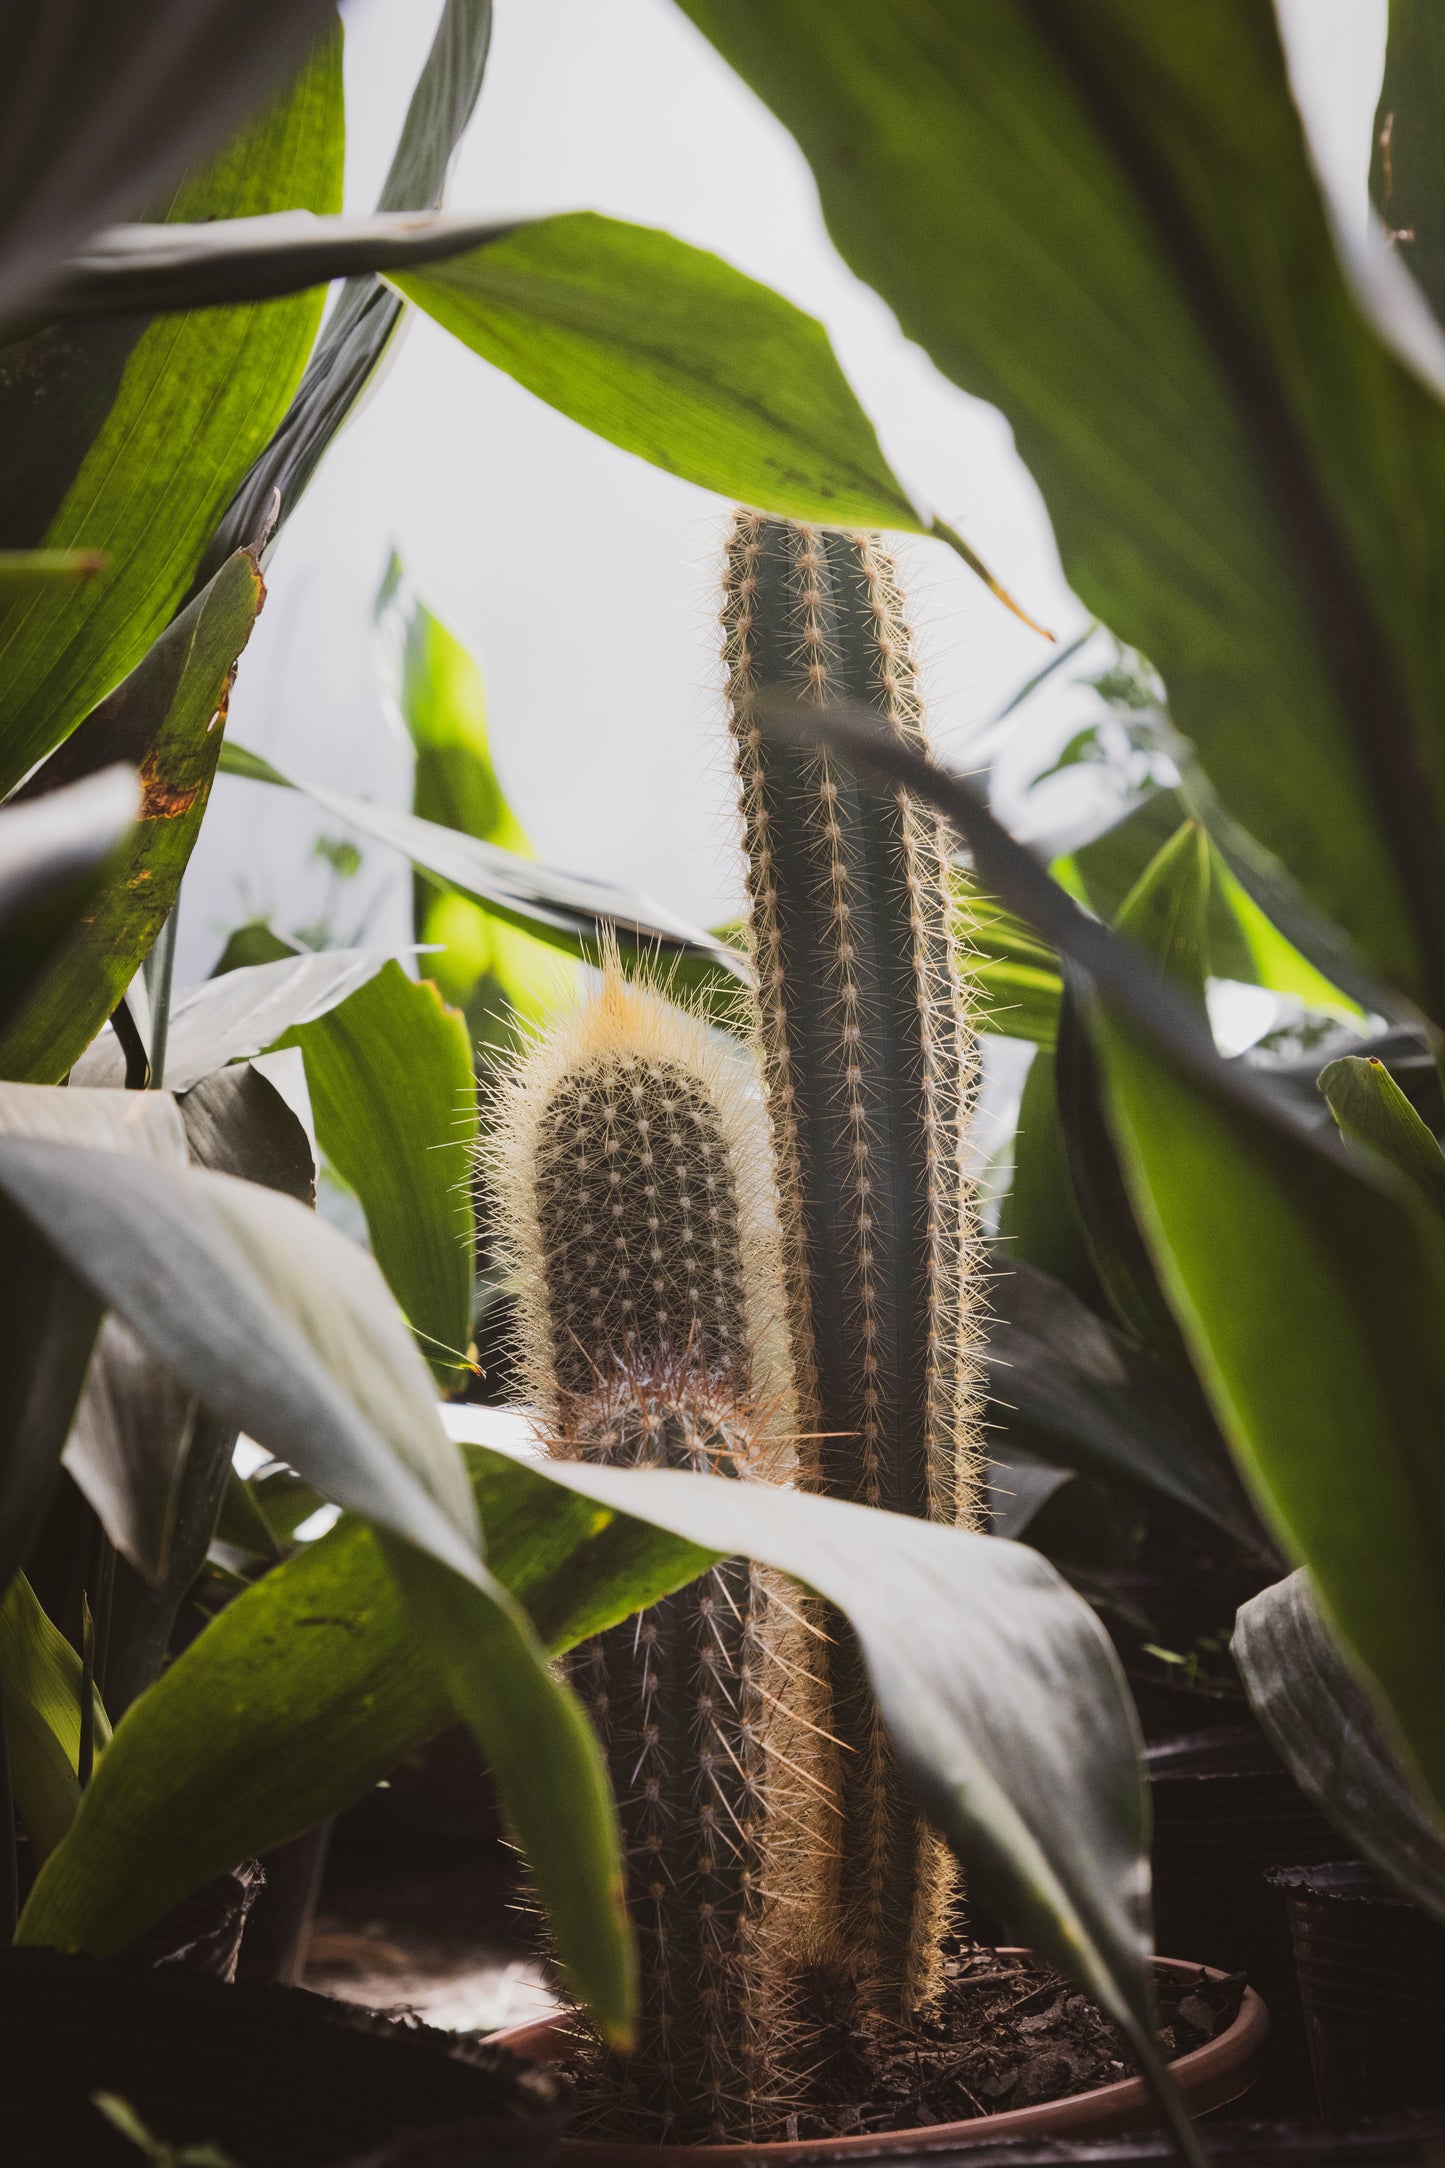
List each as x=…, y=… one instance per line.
x=631, y=1158
x=870, y=1066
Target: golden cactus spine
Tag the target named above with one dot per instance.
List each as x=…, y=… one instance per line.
x=633, y=1171
x=870, y=1064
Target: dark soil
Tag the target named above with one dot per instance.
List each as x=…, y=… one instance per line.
x=1011, y=2034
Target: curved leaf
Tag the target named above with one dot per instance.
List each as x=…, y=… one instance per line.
x=1371, y=1109
x=102, y=110
x=1101, y=215
x=360, y=327
x=1327, y=1731
x=1090, y=1399
x=43, y=1685
x=571, y=911
x=285, y=1329
x=215, y=264
x=161, y=427
x=671, y=353
x=52, y=857
x=239, y=1014
x=165, y=719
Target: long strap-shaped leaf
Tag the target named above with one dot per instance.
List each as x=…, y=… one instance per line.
x=996, y=1682
x=1308, y=1280
x=570, y=910
x=278, y=1323
x=1101, y=215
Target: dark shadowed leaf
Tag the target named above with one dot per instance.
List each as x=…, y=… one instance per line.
x=167, y=721
x=103, y=109
x=130, y=439
x=237, y=1122
x=1101, y=215
x=1089, y=1398
x=53, y=855
x=128, y=1444
x=240, y=1014
x=149, y=269
x=1407, y=167
x=1328, y=1732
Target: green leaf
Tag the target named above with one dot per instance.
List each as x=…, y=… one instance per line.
x=1372, y=1110
x=360, y=327
x=239, y=1014
x=1076, y=1392
x=1016, y=977
x=42, y=1685
x=1310, y=1291
x=150, y=269
x=1326, y=1729
x=437, y=690
x=164, y=719
x=286, y=1330
x=1167, y=910
x=395, y=1101
x=49, y=1317
x=53, y=856
x=570, y=911
x=1039, y=1221
x=1102, y=216
x=969, y=1645
x=1407, y=175
x=671, y=353
x=102, y=110
x=163, y=427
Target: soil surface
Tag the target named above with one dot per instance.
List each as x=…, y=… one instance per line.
x=1011, y=2033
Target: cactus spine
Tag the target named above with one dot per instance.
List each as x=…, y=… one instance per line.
x=632, y=1163
x=870, y=1066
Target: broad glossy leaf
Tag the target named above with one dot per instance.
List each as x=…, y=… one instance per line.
x=1101, y=215
x=103, y=109
x=128, y=1444
x=237, y=1122
x=1083, y=1396
x=1310, y=1290
x=285, y=1330
x=395, y=1100
x=361, y=326
x=1327, y=1730
x=53, y=855
x=135, y=269
x=997, y=1683
x=50, y=1318
x=1372, y=1110
x=42, y=1686
x=1407, y=170
x=436, y=688
x=569, y=910
x=167, y=720
x=239, y=1014
x=152, y=434
x=671, y=353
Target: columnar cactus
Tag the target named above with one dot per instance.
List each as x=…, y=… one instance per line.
x=633, y=1167
x=870, y=1067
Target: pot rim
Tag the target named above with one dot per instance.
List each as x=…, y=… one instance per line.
x=1208, y=2077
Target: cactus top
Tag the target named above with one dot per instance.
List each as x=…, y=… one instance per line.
x=642, y=1228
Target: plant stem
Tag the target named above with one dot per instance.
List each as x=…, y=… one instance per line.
x=160, y=971
x=85, y=1757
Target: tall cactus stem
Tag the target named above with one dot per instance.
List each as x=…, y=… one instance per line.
x=632, y=1164
x=870, y=1065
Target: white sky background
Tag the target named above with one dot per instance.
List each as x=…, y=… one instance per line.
x=583, y=580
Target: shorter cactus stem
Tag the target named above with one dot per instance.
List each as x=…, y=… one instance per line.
x=633, y=1168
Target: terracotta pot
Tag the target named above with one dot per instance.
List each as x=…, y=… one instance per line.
x=1208, y=2077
